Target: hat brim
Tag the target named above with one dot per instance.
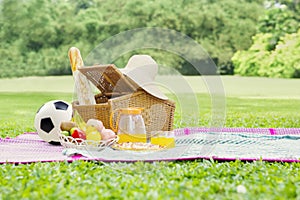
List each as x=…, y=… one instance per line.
x=138, y=76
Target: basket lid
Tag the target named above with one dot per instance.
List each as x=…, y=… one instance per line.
x=108, y=79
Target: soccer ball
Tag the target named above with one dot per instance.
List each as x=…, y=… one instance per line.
x=49, y=117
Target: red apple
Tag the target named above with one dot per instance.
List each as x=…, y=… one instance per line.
x=77, y=133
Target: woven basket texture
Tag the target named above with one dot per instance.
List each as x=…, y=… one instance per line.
x=118, y=91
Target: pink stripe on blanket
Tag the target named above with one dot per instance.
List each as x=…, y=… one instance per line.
x=29, y=147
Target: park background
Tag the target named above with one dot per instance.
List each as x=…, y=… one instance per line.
x=243, y=37
x=255, y=45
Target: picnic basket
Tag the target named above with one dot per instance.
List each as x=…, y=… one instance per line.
x=119, y=91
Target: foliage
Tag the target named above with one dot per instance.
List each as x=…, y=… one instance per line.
x=283, y=61
x=279, y=20
x=35, y=35
x=275, y=48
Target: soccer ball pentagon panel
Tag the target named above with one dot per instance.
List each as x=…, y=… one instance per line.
x=49, y=117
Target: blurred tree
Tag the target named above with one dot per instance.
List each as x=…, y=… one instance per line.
x=281, y=62
x=279, y=20
x=33, y=30
x=275, y=48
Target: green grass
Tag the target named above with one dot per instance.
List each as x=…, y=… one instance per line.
x=202, y=179
x=161, y=180
x=17, y=110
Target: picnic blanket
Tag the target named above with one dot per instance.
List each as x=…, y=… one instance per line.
x=29, y=147
x=226, y=144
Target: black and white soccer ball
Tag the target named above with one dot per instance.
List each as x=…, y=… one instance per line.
x=49, y=117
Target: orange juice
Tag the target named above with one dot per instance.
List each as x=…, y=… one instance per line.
x=167, y=142
x=123, y=137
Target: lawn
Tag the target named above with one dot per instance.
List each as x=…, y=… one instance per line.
x=250, y=102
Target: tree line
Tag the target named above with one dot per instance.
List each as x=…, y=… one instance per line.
x=36, y=34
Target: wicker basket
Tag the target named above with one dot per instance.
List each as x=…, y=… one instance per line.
x=118, y=91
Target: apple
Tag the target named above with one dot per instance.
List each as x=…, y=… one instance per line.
x=66, y=133
x=77, y=133
x=107, y=134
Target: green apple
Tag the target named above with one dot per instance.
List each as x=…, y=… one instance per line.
x=66, y=133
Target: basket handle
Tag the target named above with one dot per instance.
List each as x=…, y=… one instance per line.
x=114, y=128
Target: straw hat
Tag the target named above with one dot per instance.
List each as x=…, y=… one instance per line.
x=142, y=69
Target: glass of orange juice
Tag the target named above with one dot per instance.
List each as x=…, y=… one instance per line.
x=165, y=139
